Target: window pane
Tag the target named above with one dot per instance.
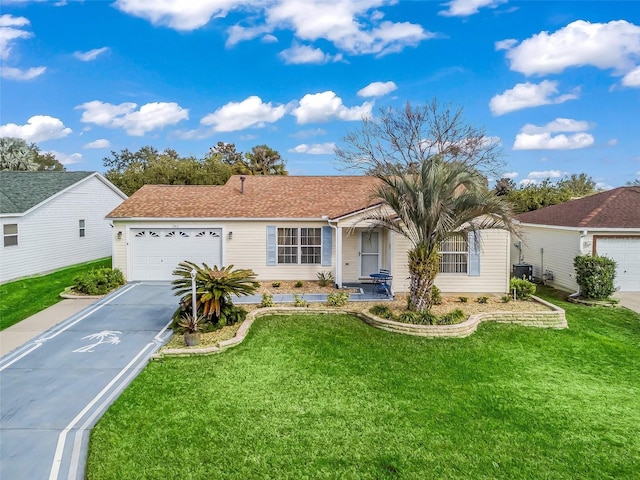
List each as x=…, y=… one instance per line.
x=311, y=255
x=10, y=240
x=454, y=255
x=10, y=229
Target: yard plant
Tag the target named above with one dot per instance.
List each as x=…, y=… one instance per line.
x=327, y=396
x=595, y=275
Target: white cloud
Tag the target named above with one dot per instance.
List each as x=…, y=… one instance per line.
x=12, y=73
x=309, y=133
x=91, y=54
x=525, y=95
x=614, y=45
x=39, y=128
x=299, y=54
x=326, y=106
x=66, y=159
x=251, y=112
x=178, y=14
x=352, y=26
x=546, y=174
x=464, y=8
x=377, y=89
x=613, y=142
x=150, y=116
x=526, y=181
x=632, y=79
x=100, y=143
x=315, y=149
x=10, y=31
x=511, y=175
x=533, y=137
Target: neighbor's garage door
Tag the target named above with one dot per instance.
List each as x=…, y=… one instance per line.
x=626, y=253
x=156, y=252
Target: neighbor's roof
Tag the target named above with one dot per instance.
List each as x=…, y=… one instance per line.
x=617, y=208
x=21, y=191
x=271, y=196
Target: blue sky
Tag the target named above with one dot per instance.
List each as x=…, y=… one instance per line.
x=558, y=82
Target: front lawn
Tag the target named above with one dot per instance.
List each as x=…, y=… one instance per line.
x=23, y=298
x=326, y=396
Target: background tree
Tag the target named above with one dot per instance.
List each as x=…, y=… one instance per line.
x=131, y=170
x=15, y=154
x=402, y=139
x=263, y=160
x=504, y=186
x=46, y=162
x=441, y=200
x=635, y=183
x=534, y=196
x=227, y=154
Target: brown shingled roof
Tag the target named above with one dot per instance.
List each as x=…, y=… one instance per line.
x=617, y=208
x=272, y=196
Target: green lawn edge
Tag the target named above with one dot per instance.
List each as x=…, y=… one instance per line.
x=22, y=298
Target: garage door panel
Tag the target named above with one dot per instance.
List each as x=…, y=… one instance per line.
x=626, y=253
x=157, y=252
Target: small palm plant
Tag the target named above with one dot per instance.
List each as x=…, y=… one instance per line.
x=214, y=287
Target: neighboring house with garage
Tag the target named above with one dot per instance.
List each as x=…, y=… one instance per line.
x=605, y=224
x=51, y=220
x=287, y=228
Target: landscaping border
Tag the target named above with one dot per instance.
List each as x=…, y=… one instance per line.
x=551, y=319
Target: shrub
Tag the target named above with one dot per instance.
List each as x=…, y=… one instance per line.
x=452, y=317
x=506, y=298
x=324, y=278
x=463, y=299
x=523, y=287
x=299, y=301
x=595, y=276
x=409, y=317
x=98, y=281
x=298, y=284
x=275, y=284
x=337, y=299
x=427, y=318
x=436, y=297
x=483, y=299
x=267, y=300
x=382, y=311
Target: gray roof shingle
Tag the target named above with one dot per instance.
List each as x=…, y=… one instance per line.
x=21, y=191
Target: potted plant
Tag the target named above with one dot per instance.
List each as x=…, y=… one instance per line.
x=190, y=323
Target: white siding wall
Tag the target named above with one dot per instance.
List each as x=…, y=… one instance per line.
x=246, y=249
x=48, y=237
x=494, y=267
x=551, y=249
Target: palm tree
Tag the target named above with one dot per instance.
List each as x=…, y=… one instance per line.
x=214, y=287
x=435, y=202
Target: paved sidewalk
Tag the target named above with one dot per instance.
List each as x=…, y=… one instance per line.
x=29, y=328
x=630, y=300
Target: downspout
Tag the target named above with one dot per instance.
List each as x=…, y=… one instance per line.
x=583, y=235
x=338, y=276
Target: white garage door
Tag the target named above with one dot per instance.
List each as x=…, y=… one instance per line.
x=626, y=253
x=156, y=252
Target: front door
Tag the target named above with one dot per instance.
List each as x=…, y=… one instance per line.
x=369, y=253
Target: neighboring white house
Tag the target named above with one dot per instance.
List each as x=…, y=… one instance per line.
x=605, y=224
x=52, y=220
x=286, y=228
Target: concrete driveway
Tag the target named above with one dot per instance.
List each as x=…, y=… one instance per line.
x=631, y=300
x=55, y=387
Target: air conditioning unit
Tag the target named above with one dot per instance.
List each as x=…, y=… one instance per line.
x=523, y=270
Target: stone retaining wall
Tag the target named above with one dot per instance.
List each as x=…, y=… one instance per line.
x=555, y=318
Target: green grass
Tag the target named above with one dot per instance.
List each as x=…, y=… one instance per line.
x=326, y=396
x=23, y=298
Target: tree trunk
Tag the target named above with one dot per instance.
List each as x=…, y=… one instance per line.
x=423, y=268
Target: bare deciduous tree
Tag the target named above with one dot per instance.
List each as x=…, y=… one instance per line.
x=402, y=139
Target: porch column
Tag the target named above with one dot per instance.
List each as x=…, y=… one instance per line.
x=339, y=257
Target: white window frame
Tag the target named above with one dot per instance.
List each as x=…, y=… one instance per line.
x=10, y=236
x=454, y=256
x=82, y=228
x=293, y=247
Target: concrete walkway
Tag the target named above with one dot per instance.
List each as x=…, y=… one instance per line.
x=29, y=328
x=630, y=300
